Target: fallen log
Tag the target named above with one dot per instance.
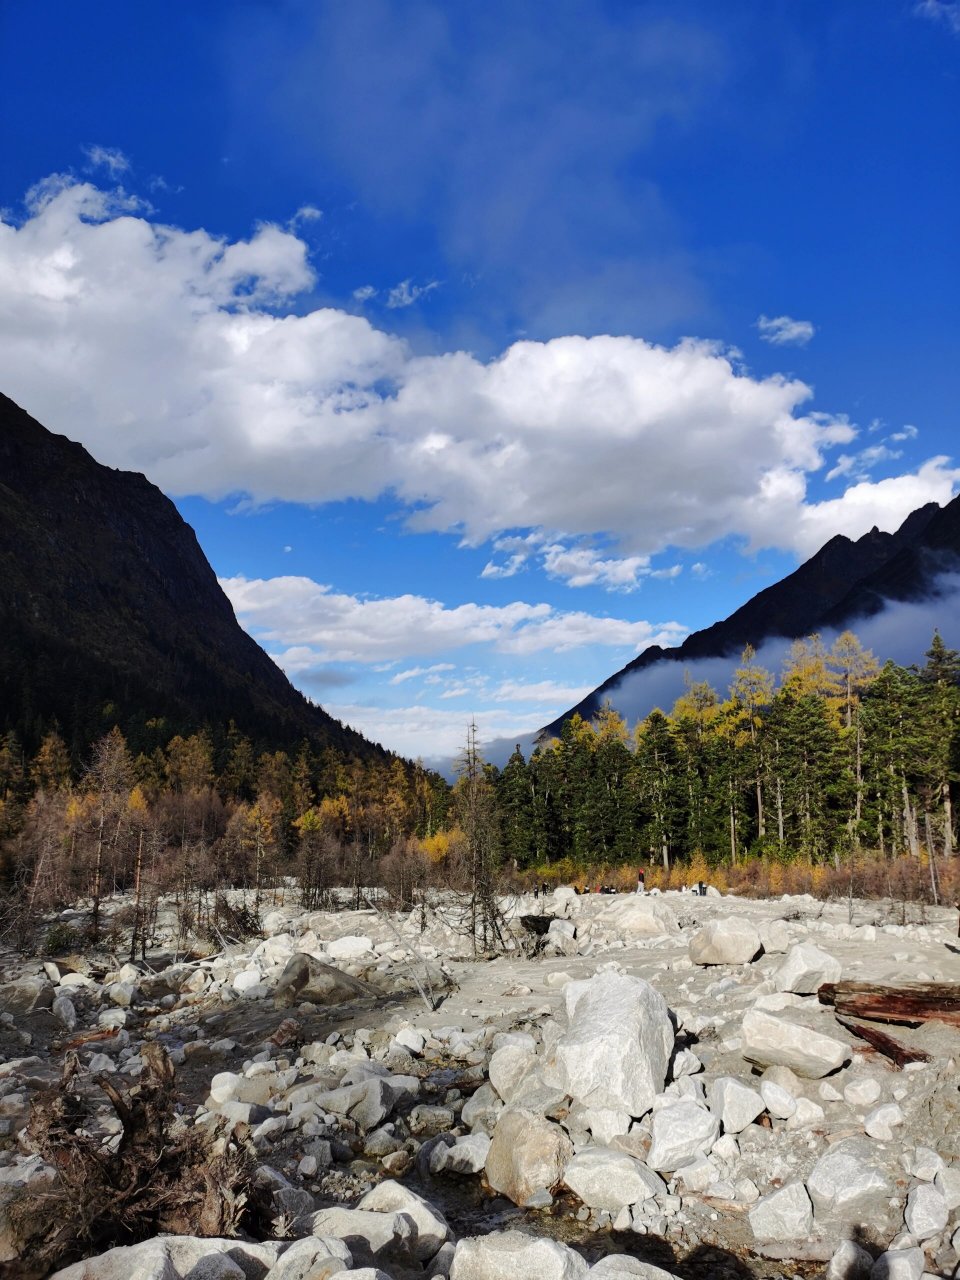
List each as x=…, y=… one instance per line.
x=910, y=1004
x=890, y=1048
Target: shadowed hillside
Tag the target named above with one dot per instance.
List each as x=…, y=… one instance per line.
x=110, y=613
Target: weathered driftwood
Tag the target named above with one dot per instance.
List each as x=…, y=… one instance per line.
x=910, y=1003
x=890, y=1048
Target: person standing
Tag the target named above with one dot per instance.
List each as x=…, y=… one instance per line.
x=641, y=881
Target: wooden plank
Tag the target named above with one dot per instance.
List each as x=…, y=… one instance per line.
x=890, y=1048
x=910, y=1004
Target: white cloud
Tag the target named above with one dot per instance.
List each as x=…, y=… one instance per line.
x=306, y=623
x=365, y=293
x=413, y=673
x=784, y=331
x=583, y=567
x=941, y=11
x=110, y=158
x=219, y=387
x=884, y=503
x=508, y=569
x=436, y=734
x=548, y=691
x=906, y=432
x=406, y=293
x=859, y=464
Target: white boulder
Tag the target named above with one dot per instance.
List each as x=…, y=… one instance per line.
x=638, y=916
x=899, y=1264
x=844, y=1178
x=779, y=1101
x=527, y=1155
x=680, y=1133
x=615, y=1051
x=729, y=940
x=351, y=947
x=786, y=1214
x=511, y=1255
x=926, y=1213
x=735, y=1104
x=849, y=1261
x=605, y=1179
x=394, y=1197
x=767, y=1041
x=806, y=968
x=881, y=1121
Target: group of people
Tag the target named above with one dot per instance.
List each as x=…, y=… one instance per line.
x=543, y=889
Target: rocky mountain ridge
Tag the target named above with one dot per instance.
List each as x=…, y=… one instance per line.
x=844, y=581
x=110, y=612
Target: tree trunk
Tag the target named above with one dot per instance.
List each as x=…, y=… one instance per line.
x=910, y=821
x=913, y=1002
x=948, y=849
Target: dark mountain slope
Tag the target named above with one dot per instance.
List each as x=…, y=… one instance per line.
x=845, y=580
x=110, y=613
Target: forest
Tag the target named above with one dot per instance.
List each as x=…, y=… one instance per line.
x=840, y=763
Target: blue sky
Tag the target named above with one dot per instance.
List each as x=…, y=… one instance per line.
x=484, y=344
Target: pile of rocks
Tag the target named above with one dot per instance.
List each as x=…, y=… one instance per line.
x=740, y=1114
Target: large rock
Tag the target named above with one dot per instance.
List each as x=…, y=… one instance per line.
x=312, y=1258
x=638, y=916
x=614, y=1053
x=899, y=1264
x=785, y=1214
x=511, y=1255
x=770, y=1041
x=307, y=978
x=352, y=947
x=528, y=1154
x=680, y=1133
x=177, y=1258
x=728, y=940
x=806, y=968
x=371, y=1236
x=845, y=1178
x=605, y=1179
x=393, y=1197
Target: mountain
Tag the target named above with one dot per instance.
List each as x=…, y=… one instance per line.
x=110, y=613
x=844, y=582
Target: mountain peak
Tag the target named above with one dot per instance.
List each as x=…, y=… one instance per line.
x=110, y=610
x=845, y=580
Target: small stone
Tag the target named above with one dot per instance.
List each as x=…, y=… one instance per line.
x=864, y=1092
x=881, y=1121
x=778, y=1101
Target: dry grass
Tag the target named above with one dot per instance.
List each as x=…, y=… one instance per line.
x=162, y=1175
x=867, y=875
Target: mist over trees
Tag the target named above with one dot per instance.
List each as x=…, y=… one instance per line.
x=841, y=755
